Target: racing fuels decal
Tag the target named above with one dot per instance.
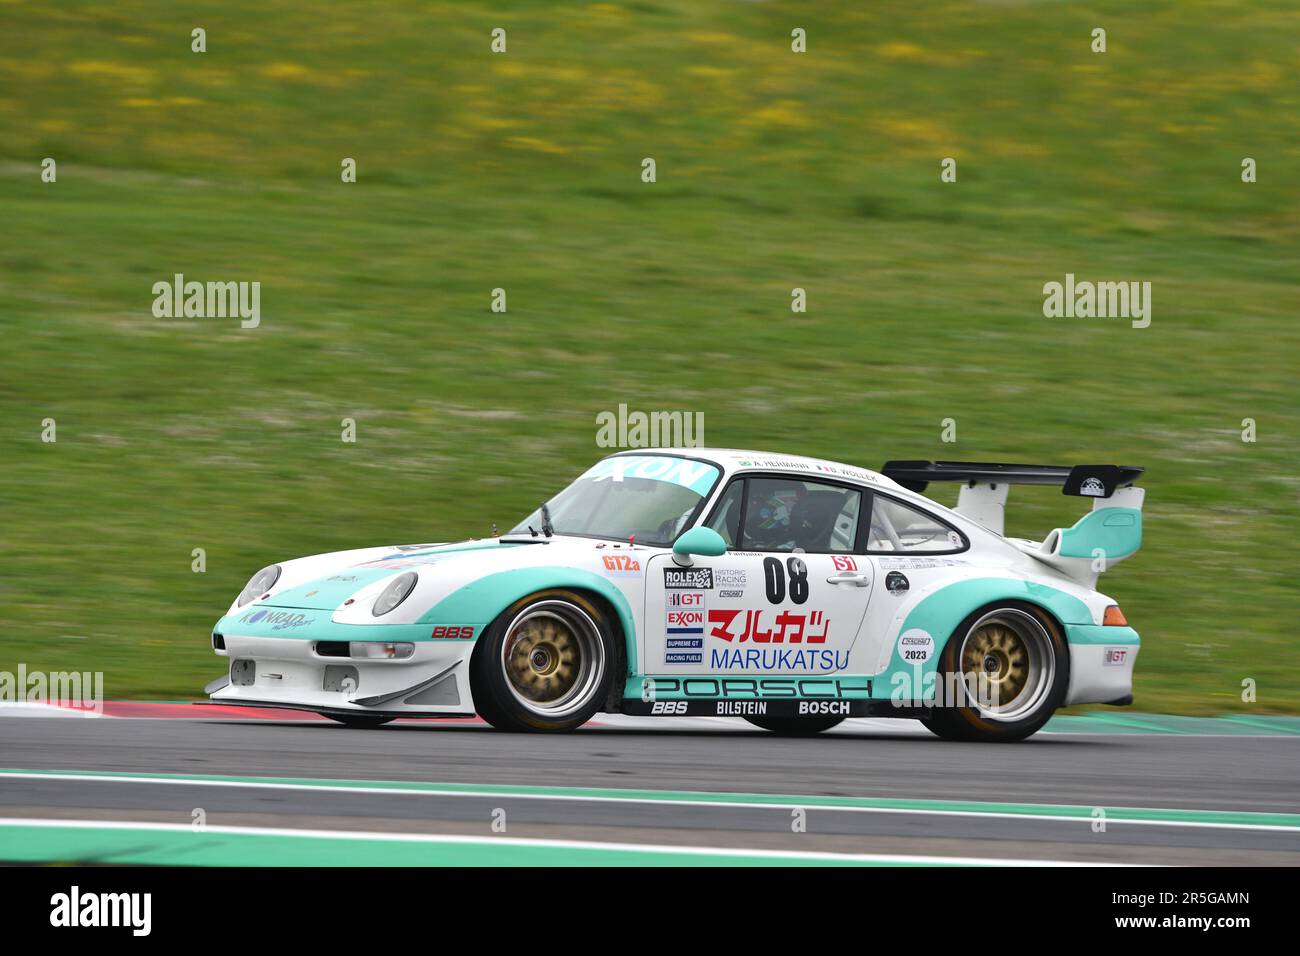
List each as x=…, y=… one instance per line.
x=693, y=579
x=896, y=582
x=916, y=646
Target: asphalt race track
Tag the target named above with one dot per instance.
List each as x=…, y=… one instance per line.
x=657, y=789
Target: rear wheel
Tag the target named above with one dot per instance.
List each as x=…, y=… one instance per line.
x=1002, y=675
x=359, y=721
x=795, y=726
x=543, y=664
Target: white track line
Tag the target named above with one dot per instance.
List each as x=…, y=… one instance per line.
x=438, y=838
x=810, y=804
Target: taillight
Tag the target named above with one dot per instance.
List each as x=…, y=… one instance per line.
x=1114, y=616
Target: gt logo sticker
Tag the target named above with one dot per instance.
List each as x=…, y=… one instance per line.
x=916, y=646
x=1114, y=656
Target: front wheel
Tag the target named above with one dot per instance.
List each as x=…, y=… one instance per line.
x=1001, y=676
x=544, y=664
x=795, y=726
x=359, y=721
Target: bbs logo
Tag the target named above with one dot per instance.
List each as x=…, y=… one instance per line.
x=669, y=708
x=453, y=633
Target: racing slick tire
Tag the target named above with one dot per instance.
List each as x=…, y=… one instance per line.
x=795, y=726
x=359, y=721
x=1016, y=659
x=545, y=663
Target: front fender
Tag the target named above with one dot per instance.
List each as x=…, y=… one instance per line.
x=481, y=601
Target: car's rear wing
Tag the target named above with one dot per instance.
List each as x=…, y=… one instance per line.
x=1111, y=533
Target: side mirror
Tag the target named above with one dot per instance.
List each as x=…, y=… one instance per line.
x=703, y=541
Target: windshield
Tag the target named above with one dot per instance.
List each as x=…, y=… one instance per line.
x=650, y=496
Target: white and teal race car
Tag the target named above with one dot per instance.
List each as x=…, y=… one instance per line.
x=790, y=591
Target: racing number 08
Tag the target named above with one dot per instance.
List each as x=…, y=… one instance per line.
x=774, y=580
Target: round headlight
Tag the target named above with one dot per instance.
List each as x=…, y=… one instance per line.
x=395, y=593
x=259, y=584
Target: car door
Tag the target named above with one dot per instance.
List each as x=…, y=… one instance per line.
x=912, y=551
x=788, y=597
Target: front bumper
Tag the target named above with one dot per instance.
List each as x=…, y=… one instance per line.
x=276, y=672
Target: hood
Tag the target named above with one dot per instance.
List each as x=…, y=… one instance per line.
x=330, y=591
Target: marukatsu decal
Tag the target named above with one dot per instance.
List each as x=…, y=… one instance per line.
x=694, y=579
x=896, y=582
x=789, y=627
x=1093, y=488
x=621, y=564
x=463, y=632
x=777, y=659
x=842, y=562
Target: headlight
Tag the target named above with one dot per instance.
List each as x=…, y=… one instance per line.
x=395, y=593
x=259, y=584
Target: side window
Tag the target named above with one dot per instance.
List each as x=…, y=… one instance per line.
x=726, y=516
x=788, y=514
x=898, y=528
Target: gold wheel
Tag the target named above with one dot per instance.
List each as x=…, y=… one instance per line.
x=553, y=658
x=1008, y=665
x=999, y=655
x=543, y=659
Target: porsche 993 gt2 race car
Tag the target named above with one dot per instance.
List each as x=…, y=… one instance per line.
x=792, y=592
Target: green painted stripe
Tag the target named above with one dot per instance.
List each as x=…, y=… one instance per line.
x=164, y=845
x=1129, y=722
x=1152, y=815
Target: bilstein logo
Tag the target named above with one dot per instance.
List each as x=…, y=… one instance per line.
x=74, y=908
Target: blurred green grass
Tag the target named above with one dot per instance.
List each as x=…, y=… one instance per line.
x=521, y=171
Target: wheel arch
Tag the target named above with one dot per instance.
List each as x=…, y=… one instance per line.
x=484, y=600
x=942, y=612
